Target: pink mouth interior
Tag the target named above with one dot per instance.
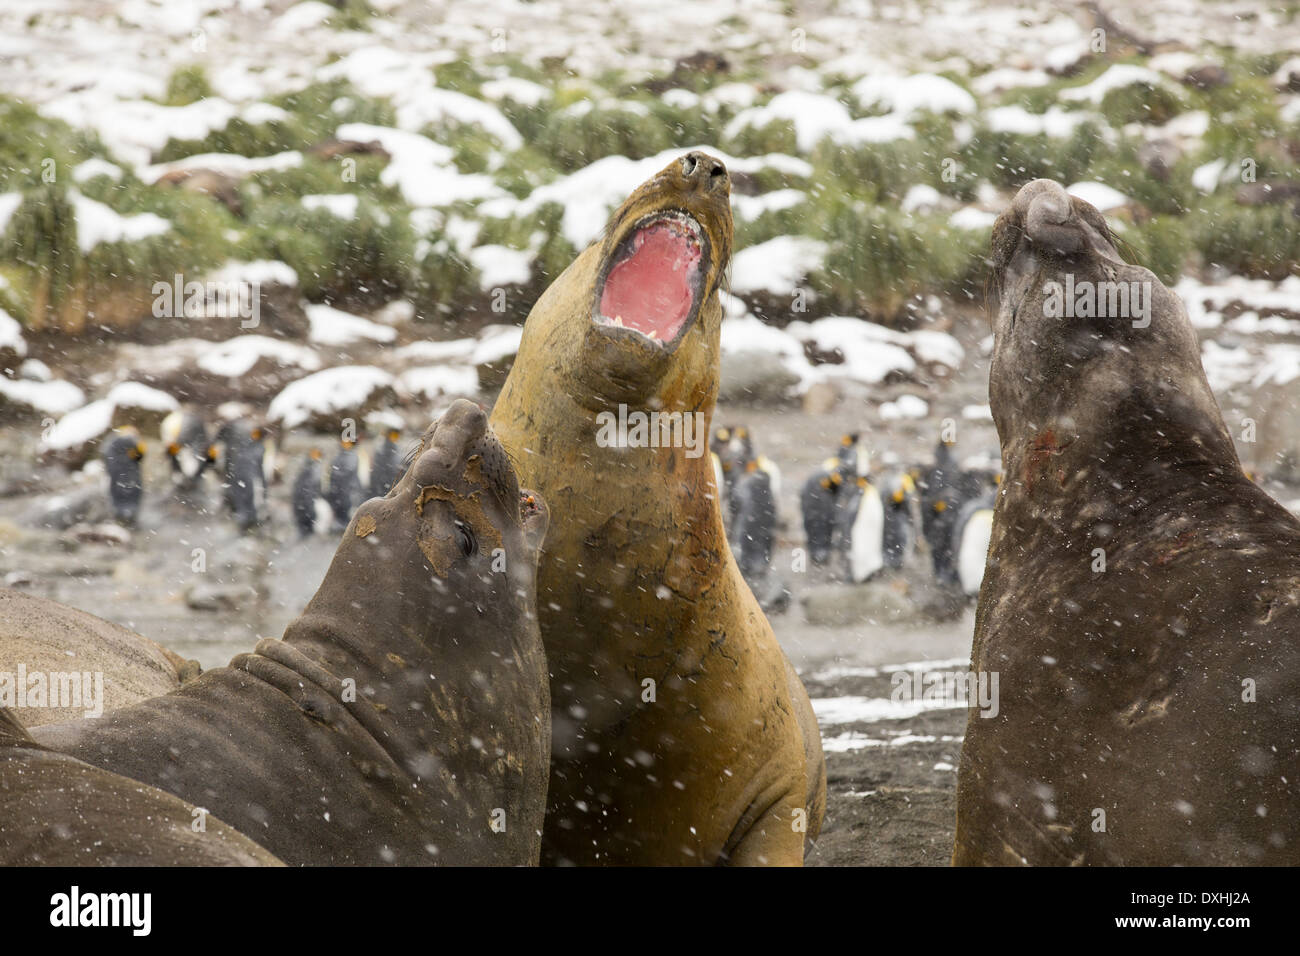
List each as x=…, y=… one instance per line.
x=652, y=288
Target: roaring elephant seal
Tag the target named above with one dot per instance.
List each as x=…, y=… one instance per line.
x=56, y=810
x=1141, y=602
x=405, y=716
x=49, y=650
x=681, y=732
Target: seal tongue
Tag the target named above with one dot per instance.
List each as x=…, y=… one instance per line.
x=650, y=290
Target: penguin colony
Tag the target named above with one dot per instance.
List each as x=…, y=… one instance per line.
x=861, y=517
x=242, y=455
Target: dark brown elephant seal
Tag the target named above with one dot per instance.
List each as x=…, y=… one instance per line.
x=56, y=810
x=1149, y=706
x=41, y=637
x=681, y=732
x=405, y=716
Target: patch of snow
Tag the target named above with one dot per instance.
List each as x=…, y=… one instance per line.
x=438, y=381
x=501, y=266
x=50, y=397
x=437, y=351
x=229, y=164
x=921, y=196
x=259, y=272
x=1281, y=365
x=346, y=387
x=79, y=426
x=524, y=92
x=1008, y=78
x=139, y=395
x=9, y=203
x=851, y=710
x=816, y=116
x=913, y=94
x=776, y=266
x=1206, y=177
x=972, y=218
x=97, y=223
x=237, y=356
x=11, y=334
x=1103, y=197
x=1116, y=77
x=339, y=205
x=331, y=326
x=932, y=346
x=34, y=370
x=749, y=208
x=421, y=169
x=905, y=406
x=871, y=352
x=1056, y=122
x=497, y=345
x=84, y=172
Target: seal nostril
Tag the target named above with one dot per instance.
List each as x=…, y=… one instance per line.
x=689, y=164
x=718, y=170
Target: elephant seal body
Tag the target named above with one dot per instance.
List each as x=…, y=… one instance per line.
x=56, y=810
x=1149, y=712
x=43, y=645
x=404, y=718
x=681, y=733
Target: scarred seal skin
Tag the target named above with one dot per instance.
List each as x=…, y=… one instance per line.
x=404, y=718
x=56, y=810
x=1149, y=705
x=681, y=733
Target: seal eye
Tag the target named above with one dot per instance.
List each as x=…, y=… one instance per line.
x=465, y=539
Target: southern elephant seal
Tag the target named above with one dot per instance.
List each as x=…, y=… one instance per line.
x=404, y=718
x=56, y=810
x=681, y=732
x=1141, y=602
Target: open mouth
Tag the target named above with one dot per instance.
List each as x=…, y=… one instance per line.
x=653, y=283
